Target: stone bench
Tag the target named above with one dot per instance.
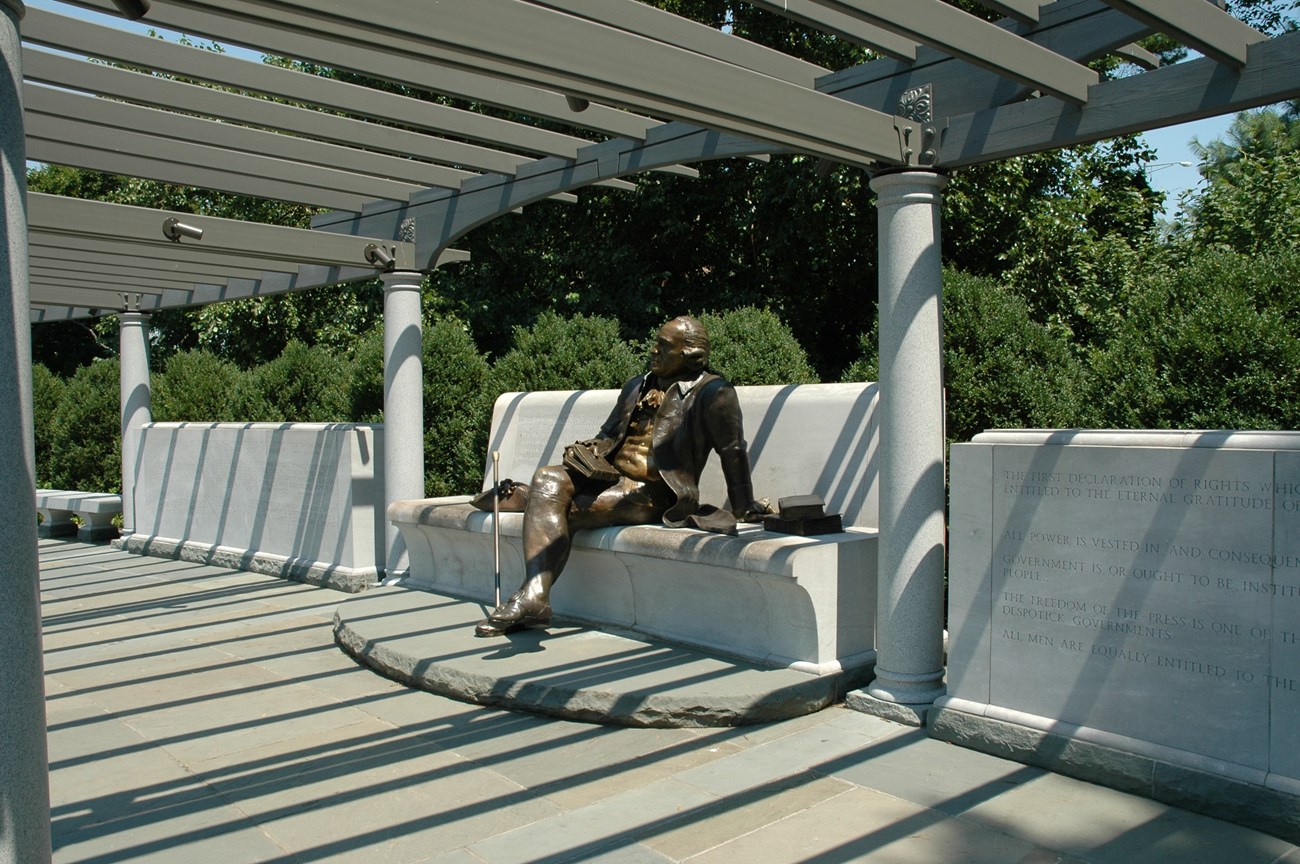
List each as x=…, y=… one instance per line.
x=96, y=511
x=806, y=603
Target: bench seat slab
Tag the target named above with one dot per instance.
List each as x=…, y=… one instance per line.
x=787, y=602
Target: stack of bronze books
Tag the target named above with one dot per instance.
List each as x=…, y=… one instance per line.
x=804, y=515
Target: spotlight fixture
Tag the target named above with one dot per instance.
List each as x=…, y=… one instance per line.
x=577, y=103
x=132, y=9
x=174, y=229
x=379, y=257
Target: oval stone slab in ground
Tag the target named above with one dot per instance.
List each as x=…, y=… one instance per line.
x=427, y=641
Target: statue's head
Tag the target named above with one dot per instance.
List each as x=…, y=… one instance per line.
x=681, y=348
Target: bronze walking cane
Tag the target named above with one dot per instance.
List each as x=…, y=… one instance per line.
x=496, y=521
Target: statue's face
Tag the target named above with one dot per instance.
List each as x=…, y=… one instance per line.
x=666, y=357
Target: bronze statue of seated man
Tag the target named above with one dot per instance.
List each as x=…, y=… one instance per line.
x=657, y=440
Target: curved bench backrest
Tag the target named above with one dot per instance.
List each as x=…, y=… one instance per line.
x=803, y=439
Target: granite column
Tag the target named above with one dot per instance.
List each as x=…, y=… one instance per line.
x=137, y=410
x=24, y=765
x=909, y=623
x=403, y=407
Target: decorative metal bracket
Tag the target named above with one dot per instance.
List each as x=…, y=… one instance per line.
x=918, y=136
x=917, y=104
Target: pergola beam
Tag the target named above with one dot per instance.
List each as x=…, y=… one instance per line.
x=43, y=313
x=54, y=214
x=79, y=261
x=244, y=23
x=443, y=216
x=376, y=175
x=87, y=254
x=1199, y=25
x=210, y=102
x=188, y=257
x=644, y=20
x=1186, y=91
x=109, y=281
x=185, y=165
x=1081, y=30
x=69, y=34
x=553, y=49
x=949, y=29
x=855, y=30
x=90, y=298
x=1024, y=11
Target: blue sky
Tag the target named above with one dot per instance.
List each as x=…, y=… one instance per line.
x=1170, y=144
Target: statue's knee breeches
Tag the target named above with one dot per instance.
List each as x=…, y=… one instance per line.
x=552, y=485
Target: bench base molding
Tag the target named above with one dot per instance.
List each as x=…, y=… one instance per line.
x=349, y=579
x=1267, y=803
x=426, y=640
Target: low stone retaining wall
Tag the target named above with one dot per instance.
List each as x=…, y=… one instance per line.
x=302, y=501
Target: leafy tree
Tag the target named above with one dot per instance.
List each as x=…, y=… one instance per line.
x=254, y=330
x=753, y=346
x=1067, y=231
x=85, y=435
x=196, y=386
x=1270, y=16
x=1250, y=200
x=1252, y=205
x=1266, y=133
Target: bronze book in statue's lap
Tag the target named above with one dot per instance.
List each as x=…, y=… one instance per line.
x=581, y=458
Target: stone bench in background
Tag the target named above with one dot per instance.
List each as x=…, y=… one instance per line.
x=806, y=603
x=95, y=509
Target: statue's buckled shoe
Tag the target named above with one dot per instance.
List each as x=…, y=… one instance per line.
x=516, y=613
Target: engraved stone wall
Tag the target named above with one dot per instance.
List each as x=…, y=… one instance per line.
x=1147, y=593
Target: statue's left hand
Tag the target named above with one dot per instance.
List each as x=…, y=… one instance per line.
x=754, y=511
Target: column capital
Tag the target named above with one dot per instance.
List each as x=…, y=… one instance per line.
x=16, y=6
x=402, y=280
x=908, y=186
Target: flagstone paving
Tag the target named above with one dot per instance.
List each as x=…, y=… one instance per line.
x=199, y=715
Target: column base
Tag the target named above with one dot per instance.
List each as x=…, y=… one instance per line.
x=898, y=712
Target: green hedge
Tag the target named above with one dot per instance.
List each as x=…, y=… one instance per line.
x=457, y=409
x=751, y=346
x=1213, y=342
x=457, y=402
x=48, y=391
x=85, y=434
x=1001, y=369
x=197, y=386
x=578, y=353
x=305, y=384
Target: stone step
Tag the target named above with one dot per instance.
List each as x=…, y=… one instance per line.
x=426, y=640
